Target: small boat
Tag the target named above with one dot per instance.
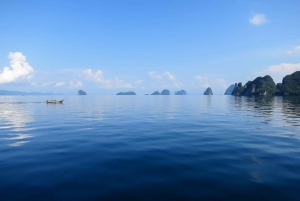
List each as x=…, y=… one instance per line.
x=55, y=101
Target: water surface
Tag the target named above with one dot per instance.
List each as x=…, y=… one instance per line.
x=150, y=148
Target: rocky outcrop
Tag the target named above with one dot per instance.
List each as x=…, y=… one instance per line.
x=181, y=92
x=208, y=91
x=291, y=84
x=155, y=93
x=126, y=93
x=260, y=86
x=229, y=90
x=80, y=92
x=238, y=89
x=165, y=92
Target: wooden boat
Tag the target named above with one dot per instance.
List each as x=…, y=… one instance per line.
x=55, y=101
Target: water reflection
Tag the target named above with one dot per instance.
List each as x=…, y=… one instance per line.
x=280, y=111
x=262, y=106
x=291, y=110
x=14, y=119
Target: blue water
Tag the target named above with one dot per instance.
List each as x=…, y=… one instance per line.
x=150, y=148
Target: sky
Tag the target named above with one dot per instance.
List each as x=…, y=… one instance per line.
x=104, y=47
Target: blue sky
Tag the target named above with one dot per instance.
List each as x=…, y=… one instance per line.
x=105, y=47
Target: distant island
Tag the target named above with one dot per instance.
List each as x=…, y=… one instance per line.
x=80, y=92
x=155, y=93
x=164, y=92
x=126, y=93
x=208, y=91
x=266, y=86
x=181, y=92
x=6, y=92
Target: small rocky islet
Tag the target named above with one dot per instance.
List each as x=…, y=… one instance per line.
x=208, y=91
x=164, y=92
x=181, y=92
x=155, y=93
x=81, y=92
x=126, y=93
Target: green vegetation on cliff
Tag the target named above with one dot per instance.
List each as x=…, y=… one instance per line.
x=238, y=89
x=291, y=84
x=260, y=86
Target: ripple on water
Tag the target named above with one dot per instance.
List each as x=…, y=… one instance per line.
x=150, y=148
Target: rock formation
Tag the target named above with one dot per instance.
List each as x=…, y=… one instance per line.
x=165, y=92
x=229, y=90
x=126, y=93
x=238, y=89
x=181, y=92
x=208, y=91
x=291, y=84
x=80, y=92
x=259, y=86
x=155, y=93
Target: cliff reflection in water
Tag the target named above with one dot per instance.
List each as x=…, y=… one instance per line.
x=291, y=110
x=14, y=117
x=281, y=111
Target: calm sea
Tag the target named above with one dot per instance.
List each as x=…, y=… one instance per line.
x=150, y=148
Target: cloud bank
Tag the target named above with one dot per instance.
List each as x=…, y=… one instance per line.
x=18, y=69
x=277, y=72
x=98, y=77
x=295, y=50
x=166, y=79
x=153, y=74
x=59, y=84
x=75, y=84
x=203, y=81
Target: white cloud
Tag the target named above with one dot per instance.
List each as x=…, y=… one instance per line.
x=284, y=68
x=46, y=84
x=203, y=81
x=277, y=72
x=75, y=84
x=172, y=78
x=98, y=77
x=115, y=83
x=169, y=76
x=166, y=79
x=296, y=49
x=59, y=84
x=138, y=82
x=153, y=74
x=258, y=19
x=18, y=69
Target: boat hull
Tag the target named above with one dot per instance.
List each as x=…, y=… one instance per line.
x=55, y=101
